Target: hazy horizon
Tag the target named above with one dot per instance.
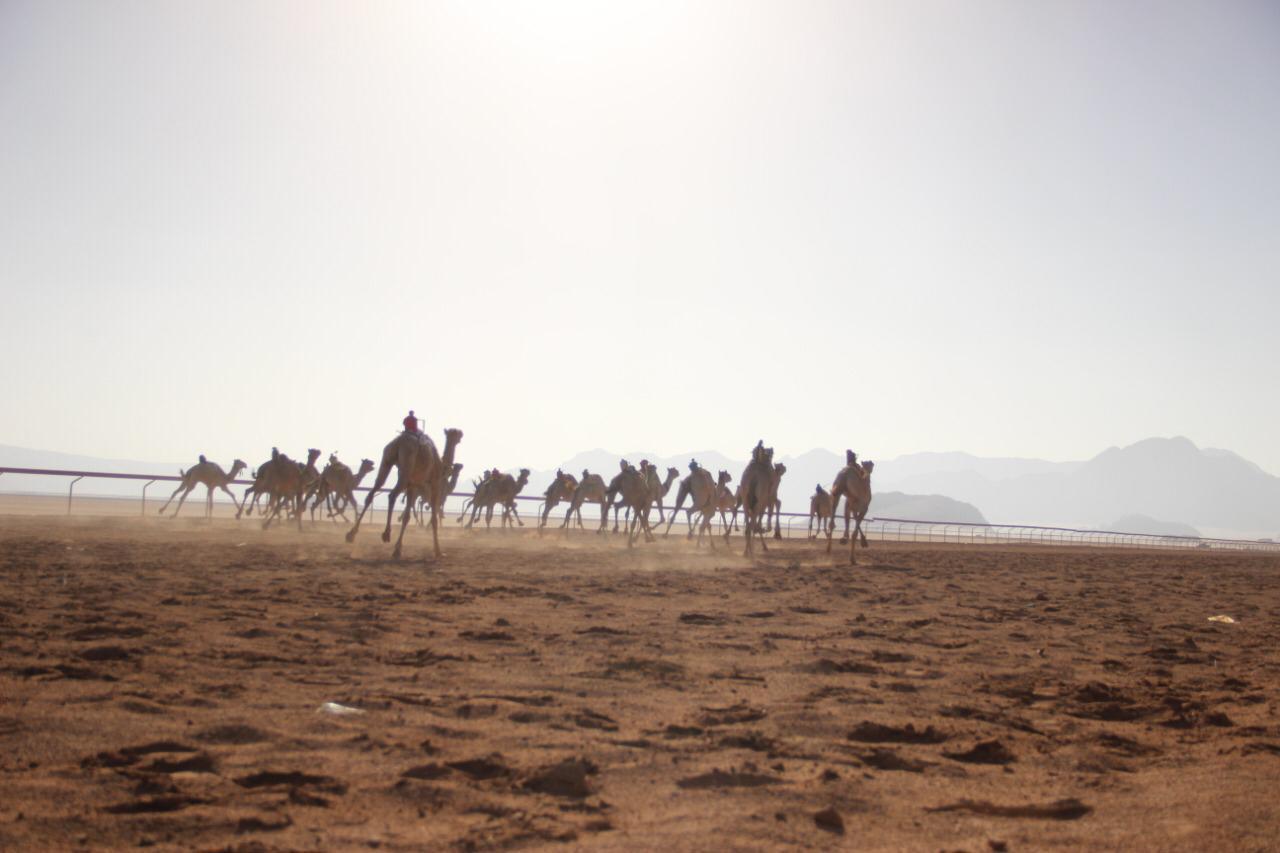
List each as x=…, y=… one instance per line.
x=1018, y=230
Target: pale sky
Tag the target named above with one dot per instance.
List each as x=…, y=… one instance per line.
x=1011, y=228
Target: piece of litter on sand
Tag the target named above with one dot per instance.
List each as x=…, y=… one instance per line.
x=339, y=710
x=1224, y=619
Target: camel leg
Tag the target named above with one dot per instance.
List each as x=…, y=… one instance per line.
x=436, y=500
x=181, y=486
x=667, y=532
x=857, y=529
x=391, y=508
x=644, y=525
x=515, y=513
x=853, y=544
x=181, y=501
x=705, y=520
x=777, y=520
x=233, y=499
x=383, y=470
x=273, y=510
x=339, y=509
x=404, y=522
x=831, y=527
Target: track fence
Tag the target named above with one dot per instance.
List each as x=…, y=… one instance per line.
x=792, y=525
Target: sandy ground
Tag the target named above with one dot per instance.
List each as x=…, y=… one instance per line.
x=160, y=686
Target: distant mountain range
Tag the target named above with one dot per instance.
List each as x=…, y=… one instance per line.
x=1167, y=480
x=1163, y=484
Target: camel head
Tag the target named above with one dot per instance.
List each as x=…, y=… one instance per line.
x=672, y=473
x=523, y=478
x=236, y=467
x=724, y=478
x=312, y=456
x=452, y=434
x=868, y=466
x=779, y=469
x=366, y=465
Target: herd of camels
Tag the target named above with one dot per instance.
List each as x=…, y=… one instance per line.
x=425, y=477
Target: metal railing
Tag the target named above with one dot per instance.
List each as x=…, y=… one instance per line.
x=794, y=524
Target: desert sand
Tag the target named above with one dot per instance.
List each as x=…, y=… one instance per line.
x=163, y=685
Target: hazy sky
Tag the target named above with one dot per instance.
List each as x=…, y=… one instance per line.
x=1004, y=227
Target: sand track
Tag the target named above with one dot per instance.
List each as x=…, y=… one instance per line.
x=159, y=686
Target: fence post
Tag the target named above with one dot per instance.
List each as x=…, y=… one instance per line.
x=70, y=489
x=144, y=497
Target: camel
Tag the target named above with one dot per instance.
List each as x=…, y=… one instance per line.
x=450, y=484
x=498, y=490
x=774, y=510
x=310, y=481
x=590, y=488
x=479, y=495
x=211, y=475
x=505, y=489
x=284, y=483
x=619, y=504
x=703, y=493
x=634, y=489
x=259, y=487
x=420, y=470
x=854, y=484
x=269, y=477
x=338, y=485
x=561, y=489
x=820, y=509
x=657, y=488
x=727, y=500
x=756, y=487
